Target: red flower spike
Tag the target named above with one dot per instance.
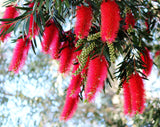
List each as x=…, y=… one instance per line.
x=148, y=62
x=157, y=53
x=69, y=108
x=110, y=18
x=19, y=55
x=66, y=57
x=97, y=73
x=127, y=98
x=10, y=13
x=55, y=44
x=137, y=93
x=47, y=38
x=74, y=86
x=83, y=21
x=130, y=21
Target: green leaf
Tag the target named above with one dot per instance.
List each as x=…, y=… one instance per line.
x=27, y=25
x=17, y=25
x=47, y=5
x=23, y=8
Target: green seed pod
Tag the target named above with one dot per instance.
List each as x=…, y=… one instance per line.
x=93, y=36
x=82, y=58
x=111, y=52
x=79, y=42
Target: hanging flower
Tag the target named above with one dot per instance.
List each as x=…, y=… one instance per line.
x=110, y=18
x=148, y=62
x=147, y=25
x=69, y=108
x=55, y=44
x=127, y=98
x=130, y=20
x=157, y=53
x=74, y=86
x=83, y=21
x=20, y=54
x=9, y=13
x=137, y=93
x=97, y=73
x=48, y=37
x=66, y=57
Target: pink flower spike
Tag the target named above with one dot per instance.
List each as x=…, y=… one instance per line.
x=55, y=44
x=97, y=73
x=74, y=86
x=69, y=108
x=19, y=55
x=48, y=38
x=130, y=20
x=148, y=62
x=10, y=13
x=127, y=98
x=66, y=57
x=110, y=20
x=83, y=21
x=157, y=53
x=137, y=93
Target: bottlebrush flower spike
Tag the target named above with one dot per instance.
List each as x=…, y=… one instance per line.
x=69, y=108
x=9, y=13
x=20, y=54
x=83, y=21
x=130, y=20
x=66, y=57
x=157, y=53
x=97, y=73
x=110, y=18
x=55, y=44
x=137, y=93
x=48, y=37
x=148, y=62
x=74, y=86
x=127, y=98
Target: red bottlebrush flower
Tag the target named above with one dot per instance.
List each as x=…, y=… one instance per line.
x=147, y=25
x=10, y=13
x=110, y=18
x=83, y=21
x=130, y=21
x=66, y=59
x=97, y=73
x=48, y=37
x=20, y=54
x=55, y=44
x=148, y=62
x=137, y=93
x=127, y=98
x=74, y=86
x=33, y=27
x=69, y=108
x=157, y=53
